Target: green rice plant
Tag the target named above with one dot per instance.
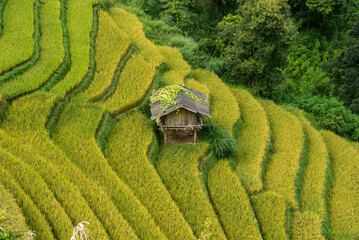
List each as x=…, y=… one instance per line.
x=52, y=54
x=307, y=225
x=201, y=87
x=252, y=141
x=344, y=195
x=178, y=67
x=270, y=210
x=126, y=152
x=130, y=24
x=224, y=108
x=282, y=169
x=16, y=42
x=42, y=196
x=232, y=203
x=313, y=184
x=79, y=16
x=11, y=216
x=25, y=122
x=32, y=214
x=68, y=195
x=112, y=44
x=134, y=82
x=77, y=127
x=177, y=165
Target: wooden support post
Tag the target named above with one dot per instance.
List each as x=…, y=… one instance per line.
x=195, y=136
x=165, y=136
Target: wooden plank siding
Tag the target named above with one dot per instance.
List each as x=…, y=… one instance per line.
x=180, y=118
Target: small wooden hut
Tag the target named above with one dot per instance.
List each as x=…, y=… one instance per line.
x=184, y=114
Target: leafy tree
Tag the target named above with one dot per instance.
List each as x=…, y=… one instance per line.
x=255, y=42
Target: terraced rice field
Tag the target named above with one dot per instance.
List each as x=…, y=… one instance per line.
x=77, y=144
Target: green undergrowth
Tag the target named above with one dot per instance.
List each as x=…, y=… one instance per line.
x=22, y=67
x=104, y=130
x=11, y=216
x=126, y=152
x=177, y=166
x=303, y=164
x=232, y=203
x=2, y=7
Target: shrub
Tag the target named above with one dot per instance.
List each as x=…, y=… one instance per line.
x=111, y=46
x=178, y=68
x=79, y=18
x=178, y=167
x=6, y=234
x=129, y=23
x=16, y=42
x=224, y=108
x=134, y=82
x=75, y=129
x=281, y=171
x=306, y=225
x=252, y=141
x=344, y=195
x=126, y=152
x=51, y=54
x=221, y=143
x=232, y=203
x=270, y=210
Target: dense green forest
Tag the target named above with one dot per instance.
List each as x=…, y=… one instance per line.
x=298, y=52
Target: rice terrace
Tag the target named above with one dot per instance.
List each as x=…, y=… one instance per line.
x=80, y=157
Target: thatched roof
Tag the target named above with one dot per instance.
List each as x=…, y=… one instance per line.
x=182, y=101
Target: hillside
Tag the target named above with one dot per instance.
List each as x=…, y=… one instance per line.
x=77, y=143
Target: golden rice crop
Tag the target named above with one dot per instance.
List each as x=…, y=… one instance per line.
x=307, y=225
x=313, y=187
x=232, y=203
x=130, y=24
x=178, y=67
x=178, y=167
x=134, y=82
x=79, y=25
x=68, y=195
x=75, y=135
x=193, y=84
x=11, y=216
x=224, y=108
x=344, y=195
x=126, y=152
x=269, y=208
x=32, y=214
x=16, y=42
x=42, y=196
x=25, y=121
x=111, y=46
x=282, y=169
x=253, y=139
x=52, y=53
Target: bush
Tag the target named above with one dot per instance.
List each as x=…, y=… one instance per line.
x=252, y=139
x=232, y=203
x=178, y=167
x=6, y=234
x=221, y=143
x=283, y=166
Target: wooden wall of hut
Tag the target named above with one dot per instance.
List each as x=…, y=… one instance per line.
x=180, y=118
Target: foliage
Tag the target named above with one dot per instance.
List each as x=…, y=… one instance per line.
x=51, y=54
x=269, y=208
x=126, y=153
x=130, y=24
x=306, y=225
x=178, y=68
x=6, y=234
x=111, y=46
x=343, y=203
x=224, y=108
x=288, y=143
x=252, y=140
x=16, y=42
x=221, y=144
x=256, y=45
x=134, y=82
x=232, y=203
x=177, y=166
